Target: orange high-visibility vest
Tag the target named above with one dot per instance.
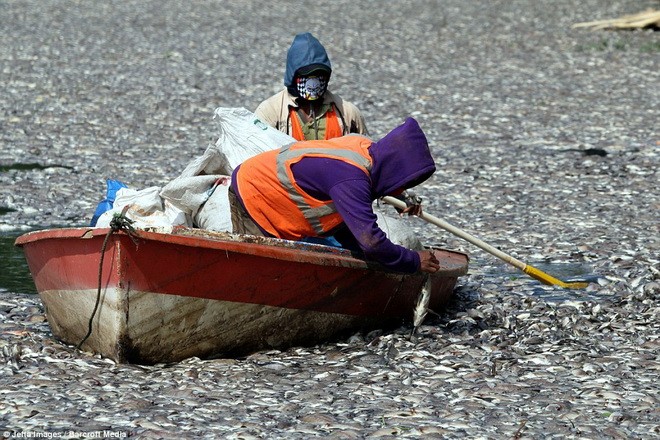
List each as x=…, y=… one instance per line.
x=332, y=127
x=276, y=202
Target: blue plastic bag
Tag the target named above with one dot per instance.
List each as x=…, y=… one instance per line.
x=106, y=204
x=327, y=241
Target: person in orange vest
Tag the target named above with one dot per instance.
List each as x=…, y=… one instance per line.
x=327, y=187
x=306, y=109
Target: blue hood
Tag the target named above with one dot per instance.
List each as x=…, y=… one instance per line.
x=305, y=51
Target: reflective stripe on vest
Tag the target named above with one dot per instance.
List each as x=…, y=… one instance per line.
x=332, y=127
x=276, y=202
x=287, y=156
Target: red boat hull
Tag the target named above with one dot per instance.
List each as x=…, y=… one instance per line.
x=168, y=296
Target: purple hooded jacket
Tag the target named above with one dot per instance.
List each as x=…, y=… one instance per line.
x=401, y=160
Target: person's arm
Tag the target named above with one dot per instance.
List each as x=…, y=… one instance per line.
x=274, y=111
x=350, y=190
x=360, y=124
x=355, y=120
x=352, y=199
x=266, y=114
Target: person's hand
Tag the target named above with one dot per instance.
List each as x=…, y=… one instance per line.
x=412, y=210
x=428, y=262
x=413, y=204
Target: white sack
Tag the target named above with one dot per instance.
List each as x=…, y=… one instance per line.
x=146, y=209
x=197, y=192
x=215, y=213
x=398, y=231
x=190, y=193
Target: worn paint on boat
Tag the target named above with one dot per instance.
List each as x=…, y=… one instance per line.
x=166, y=296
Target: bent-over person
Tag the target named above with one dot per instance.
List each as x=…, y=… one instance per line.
x=327, y=187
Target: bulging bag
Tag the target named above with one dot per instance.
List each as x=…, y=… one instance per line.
x=146, y=209
x=243, y=135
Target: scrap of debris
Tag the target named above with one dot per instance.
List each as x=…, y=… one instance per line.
x=649, y=19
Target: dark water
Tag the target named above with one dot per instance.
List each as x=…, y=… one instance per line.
x=14, y=273
x=30, y=166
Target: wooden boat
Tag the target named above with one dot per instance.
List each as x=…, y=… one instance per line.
x=164, y=297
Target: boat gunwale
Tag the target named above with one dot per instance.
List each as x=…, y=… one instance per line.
x=267, y=247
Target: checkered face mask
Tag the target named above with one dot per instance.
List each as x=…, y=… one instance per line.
x=312, y=87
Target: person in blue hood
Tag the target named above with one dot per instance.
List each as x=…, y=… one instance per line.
x=327, y=187
x=306, y=109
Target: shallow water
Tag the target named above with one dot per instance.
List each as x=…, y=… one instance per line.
x=566, y=272
x=14, y=273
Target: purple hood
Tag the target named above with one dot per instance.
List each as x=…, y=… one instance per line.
x=401, y=159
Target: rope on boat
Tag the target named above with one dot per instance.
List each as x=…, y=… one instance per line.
x=118, y=223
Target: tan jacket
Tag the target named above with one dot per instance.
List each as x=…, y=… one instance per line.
x=274, y=111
